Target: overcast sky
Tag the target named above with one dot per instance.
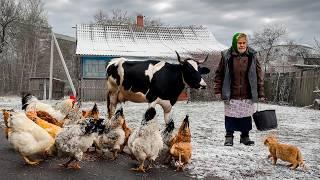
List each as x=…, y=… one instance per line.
x=223, y=18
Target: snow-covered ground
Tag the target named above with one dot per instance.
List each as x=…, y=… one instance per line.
x=297, y=126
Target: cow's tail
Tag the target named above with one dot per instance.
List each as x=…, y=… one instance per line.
x=108, y=102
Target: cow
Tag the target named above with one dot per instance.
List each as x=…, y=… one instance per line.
x=152, y=81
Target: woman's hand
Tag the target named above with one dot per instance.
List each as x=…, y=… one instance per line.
x=218, y=96
x=262, y=99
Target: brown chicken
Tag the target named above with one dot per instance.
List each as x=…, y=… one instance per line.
x=7, y=129
x=181, y=148
x=94, y=113
x=127, y=133
x=47, y=117
x=52, y=129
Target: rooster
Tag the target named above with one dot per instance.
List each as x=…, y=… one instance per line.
x=46, y=111
x=75, y=138
x=113, y=137
x=146, y=142
x=181, y=148
x=65, y=105
x=27, y=137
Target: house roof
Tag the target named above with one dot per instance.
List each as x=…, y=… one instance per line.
x=65, y=37
x=131, y=40
x=313, y=56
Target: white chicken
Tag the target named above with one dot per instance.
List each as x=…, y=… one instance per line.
x=75, y=138
x=27, y=137
x=146, y=142
x=113, y=137
x=46, y=111
x=65, y=105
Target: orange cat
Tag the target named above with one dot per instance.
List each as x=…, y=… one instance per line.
x=284, y=152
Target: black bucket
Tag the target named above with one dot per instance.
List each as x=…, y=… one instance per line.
x=265, y=120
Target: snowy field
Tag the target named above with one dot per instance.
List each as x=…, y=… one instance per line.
x=297, y=126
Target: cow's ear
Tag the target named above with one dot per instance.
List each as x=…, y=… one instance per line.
x=204, y=70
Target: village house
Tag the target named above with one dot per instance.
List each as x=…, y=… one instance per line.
x=98, y=44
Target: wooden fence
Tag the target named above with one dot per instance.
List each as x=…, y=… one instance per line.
x=92, y=89
x=295, y=88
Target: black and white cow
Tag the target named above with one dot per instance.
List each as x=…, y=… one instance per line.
x=155, y=82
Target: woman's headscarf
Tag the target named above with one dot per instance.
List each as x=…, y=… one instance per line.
x=235, y=40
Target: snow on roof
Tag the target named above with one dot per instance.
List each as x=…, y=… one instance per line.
x=65, y=37
x=130, y=40
x=297, y=45
x=306, y=66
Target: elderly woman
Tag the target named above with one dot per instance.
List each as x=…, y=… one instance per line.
x=239, y=82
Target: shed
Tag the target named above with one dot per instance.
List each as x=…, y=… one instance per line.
x=39, y=87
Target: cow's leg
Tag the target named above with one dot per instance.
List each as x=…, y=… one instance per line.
x=166, y=106
x=112, y=100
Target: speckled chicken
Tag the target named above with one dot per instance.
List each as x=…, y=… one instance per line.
x=75, y=138
x=167, y=135
x=113, y=137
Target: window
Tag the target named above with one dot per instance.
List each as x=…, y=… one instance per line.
x=94, y=68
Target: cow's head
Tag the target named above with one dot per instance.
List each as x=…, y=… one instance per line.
x=192, y=72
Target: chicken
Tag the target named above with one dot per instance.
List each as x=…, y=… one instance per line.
x=94, y=112
x=145, y=142
x=181, y=148
x=113, y=137
x=167, y=135
x=27, y=137
x=75, y=138
x=52, y=129
x=65, y=106
x=127, y=133
x=6, y=115
x=44, y=111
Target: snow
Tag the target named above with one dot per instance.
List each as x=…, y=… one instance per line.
x=297, y=126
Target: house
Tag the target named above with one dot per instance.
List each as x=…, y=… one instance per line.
x=312, y=59
x=283, y=56
x=98, y=44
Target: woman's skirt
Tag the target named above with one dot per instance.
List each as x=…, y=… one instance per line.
x=238, y=115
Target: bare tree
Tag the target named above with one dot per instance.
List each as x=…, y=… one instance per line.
x=149, y=21
x=121, y=17
x=118, y=17
x=9, y=13
x=265, y=40
x=23, y=24
x=100, y=17
x=317, y=44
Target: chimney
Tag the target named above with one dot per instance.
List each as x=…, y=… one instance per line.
x=140, y=20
